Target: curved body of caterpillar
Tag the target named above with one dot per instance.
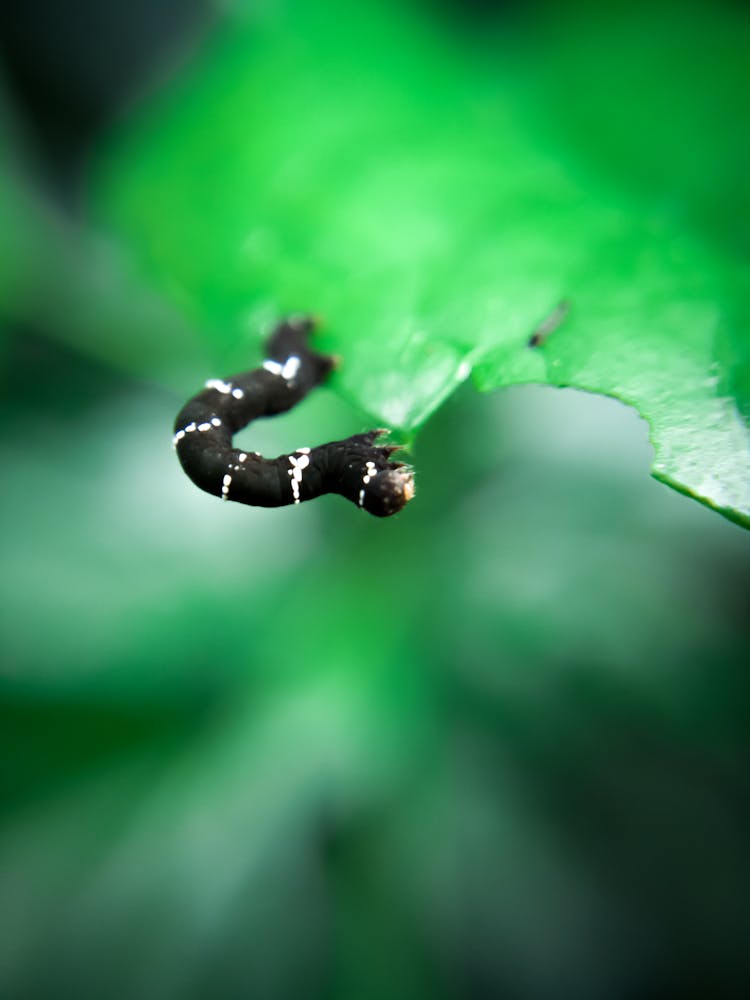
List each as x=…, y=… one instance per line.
x=356, y=468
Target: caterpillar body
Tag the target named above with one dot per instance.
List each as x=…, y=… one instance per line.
x=357, y=468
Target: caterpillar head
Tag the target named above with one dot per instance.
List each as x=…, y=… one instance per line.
x=387, y=491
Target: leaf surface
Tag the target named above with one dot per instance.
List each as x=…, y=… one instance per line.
x=433, y=194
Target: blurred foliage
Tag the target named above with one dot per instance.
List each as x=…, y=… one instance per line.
x=497, y=746
x=434, y=195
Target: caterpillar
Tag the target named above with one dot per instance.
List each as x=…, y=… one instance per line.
x=357, y=468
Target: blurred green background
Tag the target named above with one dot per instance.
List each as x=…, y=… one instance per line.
x=494, y=747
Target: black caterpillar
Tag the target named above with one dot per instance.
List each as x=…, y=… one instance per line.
x=357, y=468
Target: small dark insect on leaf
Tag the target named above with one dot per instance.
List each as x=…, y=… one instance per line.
x=550, y=323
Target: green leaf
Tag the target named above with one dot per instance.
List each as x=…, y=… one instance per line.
x=433, y=194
